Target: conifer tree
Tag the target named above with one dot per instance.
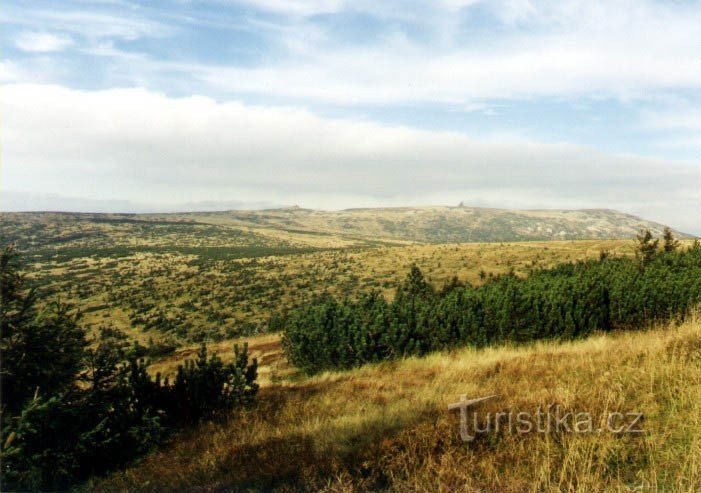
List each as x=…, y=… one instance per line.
x=647, y=247
x=415, y=283
x=567, y=301
x=41, y=351
x=69, y=411
x=670, y=243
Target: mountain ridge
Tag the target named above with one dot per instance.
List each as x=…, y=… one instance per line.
x=421, y=224
x=450, y=224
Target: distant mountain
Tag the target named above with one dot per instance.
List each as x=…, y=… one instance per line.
x=296, y=226
x=446, y=224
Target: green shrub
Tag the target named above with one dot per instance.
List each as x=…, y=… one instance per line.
x=70, y=411
x=568, y=301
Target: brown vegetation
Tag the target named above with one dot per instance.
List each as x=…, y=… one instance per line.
x=387, y=426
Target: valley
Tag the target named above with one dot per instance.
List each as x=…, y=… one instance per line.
x=169, y=283
x=193, y=277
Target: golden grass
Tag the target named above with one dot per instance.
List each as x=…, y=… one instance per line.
x=275, y=282
x=272, y=364
x=385, y=267
x=387, y=426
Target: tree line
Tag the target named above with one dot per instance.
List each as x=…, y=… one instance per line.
x=568, y=301
x=73, y=407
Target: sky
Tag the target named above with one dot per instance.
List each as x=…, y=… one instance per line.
x=117, y=105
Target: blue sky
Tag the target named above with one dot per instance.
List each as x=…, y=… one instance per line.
x=122, y=105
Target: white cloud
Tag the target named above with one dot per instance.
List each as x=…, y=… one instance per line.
x=82, y=23
x=10, y=72
x=297, y=7
x=679, y=118
x=392, y=77
x=627, y=50
x=452, y=51
x=132, y=144
x=42, y=42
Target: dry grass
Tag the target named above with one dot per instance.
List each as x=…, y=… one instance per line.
x=242, y=291
x=387, y=426
x=386, y=268
x=272, y=364
x=379, y=268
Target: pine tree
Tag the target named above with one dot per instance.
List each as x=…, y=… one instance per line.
x=647, y=247
x=570, y=300
x=670, y=243
x=415, y=283
x=41, y=351
x=69, y=412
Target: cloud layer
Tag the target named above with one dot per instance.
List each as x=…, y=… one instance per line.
x=141, y=146
x=41, y=42
x=474, y=50
x=379, y=53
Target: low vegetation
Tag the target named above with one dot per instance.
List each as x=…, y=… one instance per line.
x=358, y=401
x=387, y=426
x=178, y=279
x=179, y=299
x=569, y=301
x=73, y=408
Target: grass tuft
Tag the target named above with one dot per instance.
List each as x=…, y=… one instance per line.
x=386, y=426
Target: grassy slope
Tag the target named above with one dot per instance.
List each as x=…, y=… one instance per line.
x=206, y=276
x=50, y=231
x=227, y=292
x=439, y=224
x=387, y=426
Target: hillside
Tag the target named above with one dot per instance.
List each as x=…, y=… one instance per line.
x=388, y=426
x=198, y=293
x=306, y=228
x=444, y=224
x=181, y=279
x=210, y=276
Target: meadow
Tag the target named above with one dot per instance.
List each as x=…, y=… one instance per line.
x=387, y=426
x=193, y=296
x=170, y=284
x=179, y=279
